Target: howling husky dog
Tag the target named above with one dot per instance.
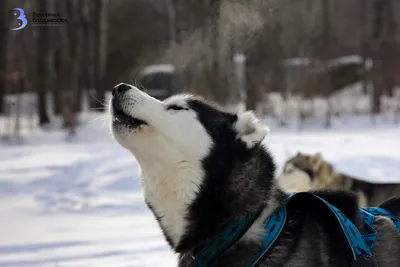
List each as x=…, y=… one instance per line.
x=203, y=168
x=310, y=172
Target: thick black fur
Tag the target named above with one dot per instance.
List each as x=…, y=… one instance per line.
x=239, y=181
x=225, y=194
x=346, y=202
x=303, y=224
x=392, y=205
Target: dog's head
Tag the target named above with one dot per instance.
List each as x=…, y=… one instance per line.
x=319, y=170
x=180, y=128
x=199, y=164
x=293, y=179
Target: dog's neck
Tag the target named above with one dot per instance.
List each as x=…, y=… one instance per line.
x=191, y=211
x=169, y=189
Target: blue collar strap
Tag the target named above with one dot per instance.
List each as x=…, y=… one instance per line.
x=360, y=253
x=231, y=233
x=359, y=246
x=273, y=228
x=370, y=236
x=360, y=250
x=381, y=212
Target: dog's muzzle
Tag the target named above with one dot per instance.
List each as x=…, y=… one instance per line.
x=120, y=88
x=119, y=115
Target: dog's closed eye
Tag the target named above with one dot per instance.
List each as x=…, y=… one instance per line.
x=176, y=107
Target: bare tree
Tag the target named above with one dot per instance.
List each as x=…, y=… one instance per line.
x=4, y=32
x=42, y=81
x=364, y=44
x=54, y=60
x=25, y=75
x=214, y=68
x=101, y=35
x=71, y=38
x=200, y=38
x=89, y=50
x=383, y=49
x=326, y=54
x=56, y=66
x=172, y=25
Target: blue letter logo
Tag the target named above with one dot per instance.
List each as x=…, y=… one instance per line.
x=21, y=17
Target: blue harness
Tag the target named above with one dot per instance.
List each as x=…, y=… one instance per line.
x=359, y=245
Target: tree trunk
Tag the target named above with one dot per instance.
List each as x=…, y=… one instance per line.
x=390, y=50
x=382, y=38
x=71, y=37
x=376, y=92
x=251, y=93
x=4, y=32
x=92, y=55
x=172, y=21
x=20, y=86
x=101, y=53
x=54, y=61
x=364, y=44
x=397, y=111
x=57, y=103
x=214, y=74
x=89, y=16
x=42, y=82
x=326, y=54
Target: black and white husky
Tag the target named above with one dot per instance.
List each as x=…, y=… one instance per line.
x=202, y=168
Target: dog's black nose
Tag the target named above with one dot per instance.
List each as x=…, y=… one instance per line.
x=122, y=87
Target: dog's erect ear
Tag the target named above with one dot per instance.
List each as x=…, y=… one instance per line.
x=317, y=161
x=249, y=129
x=320, y=162
x=318, y=155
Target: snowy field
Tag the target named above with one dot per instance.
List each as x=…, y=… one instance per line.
x=79, y=203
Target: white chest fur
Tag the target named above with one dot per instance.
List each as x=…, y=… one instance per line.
x=170, y=191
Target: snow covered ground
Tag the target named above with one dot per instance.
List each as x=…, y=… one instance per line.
x=78, y=203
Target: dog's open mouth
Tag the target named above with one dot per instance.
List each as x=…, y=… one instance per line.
x=120, y=117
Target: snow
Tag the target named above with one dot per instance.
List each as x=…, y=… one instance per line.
x=27, y=103
x=349, y=59
x=76, y=203
x=167, y=68
x=367, y=154
x=239, y=58
x=348, y=101
x=297, y=61
x=344, y=60
x=79, y=203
